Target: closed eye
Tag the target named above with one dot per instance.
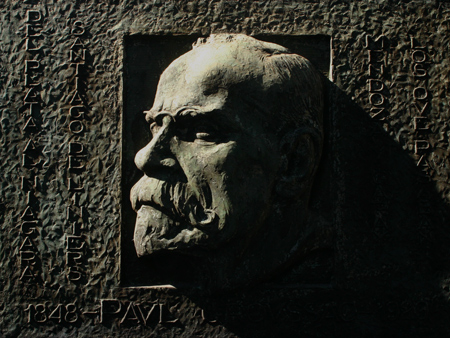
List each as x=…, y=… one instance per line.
x=202, y=135
x=197, y=130
x=205, y=132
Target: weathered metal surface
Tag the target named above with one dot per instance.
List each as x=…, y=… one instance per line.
x=69, y=77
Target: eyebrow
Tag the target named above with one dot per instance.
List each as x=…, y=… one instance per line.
x=217, y=116
x=184, y=111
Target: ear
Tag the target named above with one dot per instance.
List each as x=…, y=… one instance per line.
x=300, y=155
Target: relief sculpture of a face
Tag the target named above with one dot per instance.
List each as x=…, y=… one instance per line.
x=236, y=139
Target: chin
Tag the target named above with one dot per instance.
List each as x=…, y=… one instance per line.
x=155, y=231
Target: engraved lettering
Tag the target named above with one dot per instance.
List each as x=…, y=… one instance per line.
x=30, y=196
x=419, y=56
x=73, y=258
x=419, y=71
x=31, y=65
x=27, y=274
x=77, y=67
x=27, y=245
x=56, y=314
x=78, y=28
x=30, y=147
x=375, y=69
x=29, y=162
x=40, y=315
x=28, y=213
x=77, y=227
x=76, y=127
x=109, y=307
x=375, y=44
x=130, y=315
x=28, y=185
x=27, y=257
x=72, y=215
x=420, y=123
x=74, y=273
x=76, y=158
x=30, y=46
x=30, y=125
x=421, y=109
x=161, y=312
x=28, y=309
x=375, y=112
x=420, y=93
x=76, y=200
x=71, y=315
x=29, y=227
x=33, y=108
x=33, y=16
x=420, y=145
x=77, y=162
x=28, y=253
x=376, y=85
x=32, y=96
x=31, y=80
x=77, y=112
x=149, y=312
x=33, y=31
x=78, y=56
x=76, y=99
x=205, y=319
x=74, y=186
x=422, y=162
x=77, y=83
x=77, y=44
x=376, y=99
x=76, y=148
x=377, y=57
x=74, y=243
x=415, y=44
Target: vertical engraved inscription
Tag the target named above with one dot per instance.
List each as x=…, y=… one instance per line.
x=32, y=157
x=77, y=157
x=377, y=63
x=420, y=61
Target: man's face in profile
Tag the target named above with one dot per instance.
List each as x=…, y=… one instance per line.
x=210, y=167
x=236, y=138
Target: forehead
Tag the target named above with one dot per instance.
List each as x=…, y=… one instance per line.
x=206, y=78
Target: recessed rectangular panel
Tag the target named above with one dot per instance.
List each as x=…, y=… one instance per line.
x=145, y=58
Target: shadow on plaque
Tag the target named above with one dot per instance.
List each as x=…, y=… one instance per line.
x=381, y=268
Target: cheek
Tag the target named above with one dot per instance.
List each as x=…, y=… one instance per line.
x=204, y=161
x=203, y=167
x=253, y=162
x=248, y=174
x=239, y=175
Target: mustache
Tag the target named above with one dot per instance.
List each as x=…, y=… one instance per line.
x=181, y=201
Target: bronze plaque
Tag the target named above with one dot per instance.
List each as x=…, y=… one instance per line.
x=224, y=168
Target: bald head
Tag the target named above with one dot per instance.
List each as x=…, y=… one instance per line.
x=282, y=85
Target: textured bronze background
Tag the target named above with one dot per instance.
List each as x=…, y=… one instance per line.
x=66, y=109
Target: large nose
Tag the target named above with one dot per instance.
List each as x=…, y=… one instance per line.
x=157, y=154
